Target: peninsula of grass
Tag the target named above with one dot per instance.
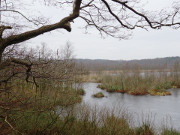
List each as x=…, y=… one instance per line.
x=98, y=95
x=136, y=84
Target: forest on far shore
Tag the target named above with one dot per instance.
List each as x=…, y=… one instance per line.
x=166, y=63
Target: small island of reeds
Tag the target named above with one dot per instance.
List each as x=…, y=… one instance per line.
x=98, y=95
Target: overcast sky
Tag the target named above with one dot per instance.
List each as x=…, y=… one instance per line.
x=143, y=44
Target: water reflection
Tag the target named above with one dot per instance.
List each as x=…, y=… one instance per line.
x=162, y=107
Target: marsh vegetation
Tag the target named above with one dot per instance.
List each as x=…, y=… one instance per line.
x=33, y=86
x=42, y=94
x=98, y=95
x=135, y=83
x=52, y=108
x=37, y=93
x=135, y=80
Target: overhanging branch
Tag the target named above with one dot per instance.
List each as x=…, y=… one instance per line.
x=64, y=23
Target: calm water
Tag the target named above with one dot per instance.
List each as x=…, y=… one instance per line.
x=161, y=109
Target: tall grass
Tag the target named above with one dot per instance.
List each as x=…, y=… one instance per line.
x=26, y=108
x=135, y=83
x=82, y=120
x=52, y=109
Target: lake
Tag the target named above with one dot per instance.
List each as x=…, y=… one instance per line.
x=160, y=109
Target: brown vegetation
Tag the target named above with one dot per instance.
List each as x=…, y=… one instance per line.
x=141, y=83
x=98, y=95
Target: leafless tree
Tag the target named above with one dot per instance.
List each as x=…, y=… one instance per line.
x=112, y=17
x=39, y=70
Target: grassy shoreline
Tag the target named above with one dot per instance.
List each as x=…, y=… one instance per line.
x=84, y=120
x=29, y=110
x=41, y=116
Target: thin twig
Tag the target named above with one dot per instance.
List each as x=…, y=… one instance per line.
x=11, y=126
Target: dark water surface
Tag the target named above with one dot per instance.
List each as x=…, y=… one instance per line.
x=163, y=109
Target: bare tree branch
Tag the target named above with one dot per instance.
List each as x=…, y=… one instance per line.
x=2, y=28
x=64, y=23
x=32, y=21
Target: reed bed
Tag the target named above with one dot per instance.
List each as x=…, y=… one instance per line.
x=136, y=83
x=83, y=120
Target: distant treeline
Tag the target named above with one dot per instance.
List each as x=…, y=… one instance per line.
x=144, y=64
